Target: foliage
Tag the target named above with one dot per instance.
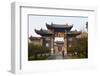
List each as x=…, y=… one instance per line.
x=81, y=48
x=36, y=52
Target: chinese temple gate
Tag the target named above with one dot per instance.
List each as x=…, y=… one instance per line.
x=60, y=31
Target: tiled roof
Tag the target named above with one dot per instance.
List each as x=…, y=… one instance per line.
x=74, y=33
x=65, y=26
x=43, y=32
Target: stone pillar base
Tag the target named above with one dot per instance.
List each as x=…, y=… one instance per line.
x=52, y=53
x=65, y=52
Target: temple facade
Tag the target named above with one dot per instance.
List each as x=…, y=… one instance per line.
x=49, y=38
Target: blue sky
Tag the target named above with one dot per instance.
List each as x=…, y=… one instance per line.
x=38, y=22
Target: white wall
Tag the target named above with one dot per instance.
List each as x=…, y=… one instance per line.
x=5, y=33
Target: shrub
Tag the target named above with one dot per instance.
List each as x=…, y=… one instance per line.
x=35, y=52
x=81, y=48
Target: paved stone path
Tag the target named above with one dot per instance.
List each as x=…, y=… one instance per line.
x=55, y=57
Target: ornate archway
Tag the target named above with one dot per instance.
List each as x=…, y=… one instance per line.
x=57, y=30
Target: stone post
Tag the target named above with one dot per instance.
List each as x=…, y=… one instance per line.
x=43, y=41
x=65, y=44
x=52, y=45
